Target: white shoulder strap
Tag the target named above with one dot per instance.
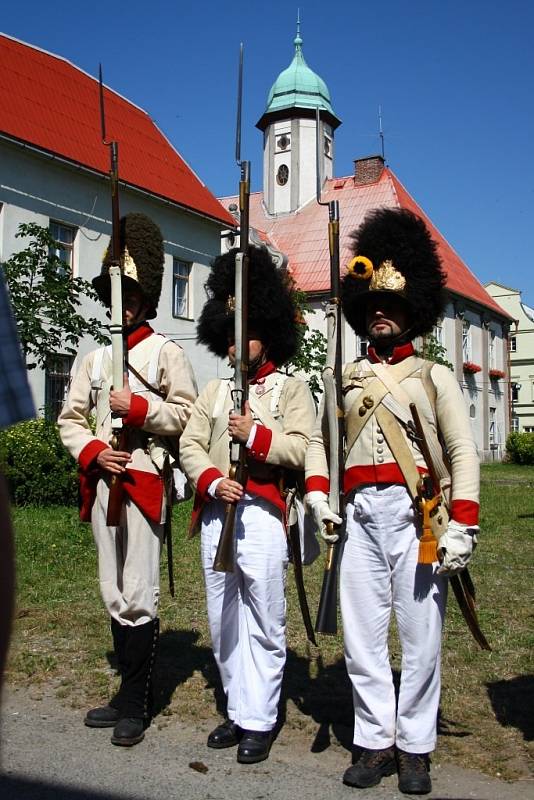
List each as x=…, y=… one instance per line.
x=97, y=365
x=221, y=397
x=154, y=359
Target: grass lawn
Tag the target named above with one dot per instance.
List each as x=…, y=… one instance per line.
x=487, y=709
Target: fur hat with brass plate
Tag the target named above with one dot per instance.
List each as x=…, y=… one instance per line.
x=141, y=261
x=272, y=311
x=394, y=253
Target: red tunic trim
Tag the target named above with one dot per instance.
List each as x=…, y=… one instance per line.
x=146, y=491
x=138, y=410
x=373, y=474
x=140, y=333
x=261, y=443
x=89, y=453
x=317, y=483
x=465, y=512
x=207, y=477
x=399, y=354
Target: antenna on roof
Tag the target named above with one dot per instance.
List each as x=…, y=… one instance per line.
x=381, y=132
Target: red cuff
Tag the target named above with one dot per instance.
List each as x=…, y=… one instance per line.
x=261, y=443
x=138, y=410
x=465, y=512
x=208, y=476
x=90, y=452
x=316, y=483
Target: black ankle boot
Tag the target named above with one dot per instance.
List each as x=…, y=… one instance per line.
x=227, y=734
x=128, y=731
x=135, y=695
x=254, y=746
x=102, y=717
x=370, y=768
x=414, y=775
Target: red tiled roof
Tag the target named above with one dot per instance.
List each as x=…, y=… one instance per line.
x=52, y=105
x=303, y=236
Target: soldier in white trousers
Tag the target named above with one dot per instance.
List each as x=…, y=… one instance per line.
x=247, y=608
x=392, y=293
x=155, y=402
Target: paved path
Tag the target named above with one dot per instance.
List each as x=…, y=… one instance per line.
x=48, y=754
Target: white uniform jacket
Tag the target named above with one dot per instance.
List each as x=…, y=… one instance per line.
x=284, y=411
x=149, y=416
x=370, y=461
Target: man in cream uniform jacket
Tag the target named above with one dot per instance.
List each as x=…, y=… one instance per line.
x=157, y=403
x=247, y=608
x=393, y=292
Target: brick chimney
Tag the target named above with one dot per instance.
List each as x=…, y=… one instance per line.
x=367, y=170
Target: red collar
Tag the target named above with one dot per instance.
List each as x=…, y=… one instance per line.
x=399, y=354
x=264, y=370
x=142, y=332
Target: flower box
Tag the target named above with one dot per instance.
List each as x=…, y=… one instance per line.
x=496, y=374
x=471, y=368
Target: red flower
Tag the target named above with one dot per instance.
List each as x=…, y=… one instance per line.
x=471, y=368
x=496, y=373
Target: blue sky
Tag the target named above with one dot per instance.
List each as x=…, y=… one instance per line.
x=454, y=80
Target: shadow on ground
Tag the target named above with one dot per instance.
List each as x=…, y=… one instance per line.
x=20, y=789
x=513, y=703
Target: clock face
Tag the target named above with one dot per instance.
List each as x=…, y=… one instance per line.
x=282, y=176
x=327, y=146
x=283, y=142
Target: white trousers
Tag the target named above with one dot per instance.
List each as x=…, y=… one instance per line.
x=128, y=561
x=247, y=610
x=379, y=572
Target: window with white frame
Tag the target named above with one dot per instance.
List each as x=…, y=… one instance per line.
x=515, y=391
x=361, y=346
x=493, y=439
x=437, y=332
x=181, y=273
x=492, y=363
x=515, y=424
x=512, y=344
x=466, y=340
x=57, y=378
x=64, y=236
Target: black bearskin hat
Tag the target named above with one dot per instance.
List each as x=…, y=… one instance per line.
x=141, y=261
x=272, y=311
x=394, y=253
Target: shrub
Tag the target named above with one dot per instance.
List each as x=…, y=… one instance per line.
x=38, y=469
x=520, y=447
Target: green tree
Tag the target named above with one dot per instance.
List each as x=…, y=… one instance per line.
x=434, y=351
x=46, y=299
x=311, y=353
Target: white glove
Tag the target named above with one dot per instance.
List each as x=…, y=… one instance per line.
x=317, y=505
x=456, y=547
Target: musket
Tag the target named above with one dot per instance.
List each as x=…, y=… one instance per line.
x=332, y=379
x=116, y=329
x=462, y=584
x=224, y=557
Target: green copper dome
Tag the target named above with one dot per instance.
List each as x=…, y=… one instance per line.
x=299, y=87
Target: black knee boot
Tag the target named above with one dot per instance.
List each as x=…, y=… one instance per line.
x=107, y=716
x=135, y=694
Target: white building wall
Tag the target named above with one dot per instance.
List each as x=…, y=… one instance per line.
x=36, y=188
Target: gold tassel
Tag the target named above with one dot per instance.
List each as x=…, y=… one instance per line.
x=428, y=548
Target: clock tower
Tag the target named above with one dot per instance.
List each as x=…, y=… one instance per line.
x=288, y=126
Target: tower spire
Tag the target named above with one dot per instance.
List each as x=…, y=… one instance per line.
x=298, y=38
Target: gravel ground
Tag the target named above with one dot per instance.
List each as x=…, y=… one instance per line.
x=46, y=752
